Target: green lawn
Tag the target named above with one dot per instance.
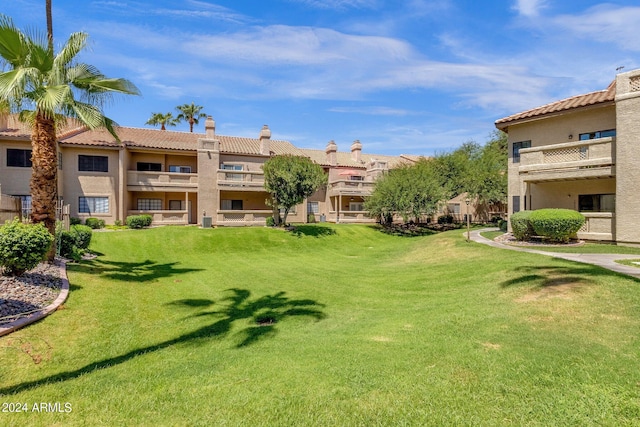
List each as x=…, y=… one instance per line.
x=334, y=325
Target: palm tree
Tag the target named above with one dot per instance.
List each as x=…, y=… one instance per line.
x=190, y=113
x=162, y=119
x=49, y=24
x=47, y=88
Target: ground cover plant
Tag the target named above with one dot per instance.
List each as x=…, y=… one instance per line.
x=328, y=325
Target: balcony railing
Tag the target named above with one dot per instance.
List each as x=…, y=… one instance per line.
x=598, y=226
x=350, y=216
x=161, y=181
x=348, y=187
x=580, y=159
x=241, y=179
x=244, y=217
x=164, y=217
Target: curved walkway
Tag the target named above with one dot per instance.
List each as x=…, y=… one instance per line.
x=602, y=260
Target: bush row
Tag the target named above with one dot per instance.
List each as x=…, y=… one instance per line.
x=138, y=221
x=557, y=225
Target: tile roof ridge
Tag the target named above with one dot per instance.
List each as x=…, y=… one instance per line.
x=159, y=130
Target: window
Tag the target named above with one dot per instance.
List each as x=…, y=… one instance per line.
x=516, y=204
x=356, y=178
x=597, y=202
x=356, y=206
x=180, y=169
x=149, y=204
x=597, y=134
x=231, y=205
x=93, y=163
x=313, y=207
x=93, y=205
x=453, y=208
x=18, y=158
x=26, y=205
x=232, y=176
x=517, y=146
x=175, y=205
x=149, y=167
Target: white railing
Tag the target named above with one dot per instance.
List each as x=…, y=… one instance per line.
x=345, y=186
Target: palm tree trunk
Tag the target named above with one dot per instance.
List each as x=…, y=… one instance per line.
x=44, y=175
x=49, y=24
x=191, y=122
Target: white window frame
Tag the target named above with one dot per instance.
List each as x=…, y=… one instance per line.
x=94, y=205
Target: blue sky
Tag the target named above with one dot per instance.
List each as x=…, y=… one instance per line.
x=410, y=77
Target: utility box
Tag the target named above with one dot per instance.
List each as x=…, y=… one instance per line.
x=207, y=221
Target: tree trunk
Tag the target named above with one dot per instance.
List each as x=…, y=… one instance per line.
x=191, y=121
x=44, y=175
x=49, y=24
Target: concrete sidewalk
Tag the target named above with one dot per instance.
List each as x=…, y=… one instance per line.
x=602, y=260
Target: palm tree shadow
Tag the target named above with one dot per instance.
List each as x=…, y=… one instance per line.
x=264, y=314
x=145, y=271
x=550, y=275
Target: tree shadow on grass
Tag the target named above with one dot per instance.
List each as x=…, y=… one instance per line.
x=264, y=314
x=145, y=271
x=312, y=231
x=549, y=276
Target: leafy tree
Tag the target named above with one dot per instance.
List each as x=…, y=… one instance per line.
x=191, y=114
x=46, y=88
x=163, y=120
x=409, y=191
x=291, y=179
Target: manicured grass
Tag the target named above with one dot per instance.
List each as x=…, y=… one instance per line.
x=332, y=325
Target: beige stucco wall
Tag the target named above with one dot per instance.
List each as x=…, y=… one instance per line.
x=551, y=131
x=91, y=184
x=13, y=180
x=628, y=157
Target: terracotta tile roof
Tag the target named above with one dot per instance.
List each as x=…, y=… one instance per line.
x=15, y=129
x=344, y=158
x=589, y=99
x=171, y=140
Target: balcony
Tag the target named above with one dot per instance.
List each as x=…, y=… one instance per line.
x=597, y=226
x=162, y=181
x=358, y=217
x=165, y=217
x=237, y=218
x=347, y=187
x=240, y=180
x=593, y=158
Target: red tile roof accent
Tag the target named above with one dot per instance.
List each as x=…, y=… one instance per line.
x=586, y=100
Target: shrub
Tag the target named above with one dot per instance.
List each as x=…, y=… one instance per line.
x=94, y=223
x=23, y=246
x=270, y=221
x=138, y=221
x=66, y=243
x=74, y=220
x=558, y=225
x=82, y=235
x=520, y=225
x=311, y=218
x=445, y=219
x=503, y=225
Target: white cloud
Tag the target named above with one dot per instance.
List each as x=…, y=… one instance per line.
x=340, y=4
x=529, y=8
x=375, y=111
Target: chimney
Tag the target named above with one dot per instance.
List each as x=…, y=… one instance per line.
x=331, y=150
x=210, y=128
x=265, y=140
x=356, y=151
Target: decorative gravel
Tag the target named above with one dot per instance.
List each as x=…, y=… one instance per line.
x=34, y=290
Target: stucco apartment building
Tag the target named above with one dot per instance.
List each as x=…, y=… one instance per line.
x=180, y=177
x=581, y=153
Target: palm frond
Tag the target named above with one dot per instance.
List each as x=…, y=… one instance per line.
x=73, y=46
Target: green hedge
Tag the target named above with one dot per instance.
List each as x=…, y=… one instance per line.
x=94, y=223
x=558, y=225
x=138, y=221
x=520, y=225
x=73, y=243
x=23, y=246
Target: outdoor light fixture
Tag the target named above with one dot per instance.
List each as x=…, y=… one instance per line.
x=467, y=201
